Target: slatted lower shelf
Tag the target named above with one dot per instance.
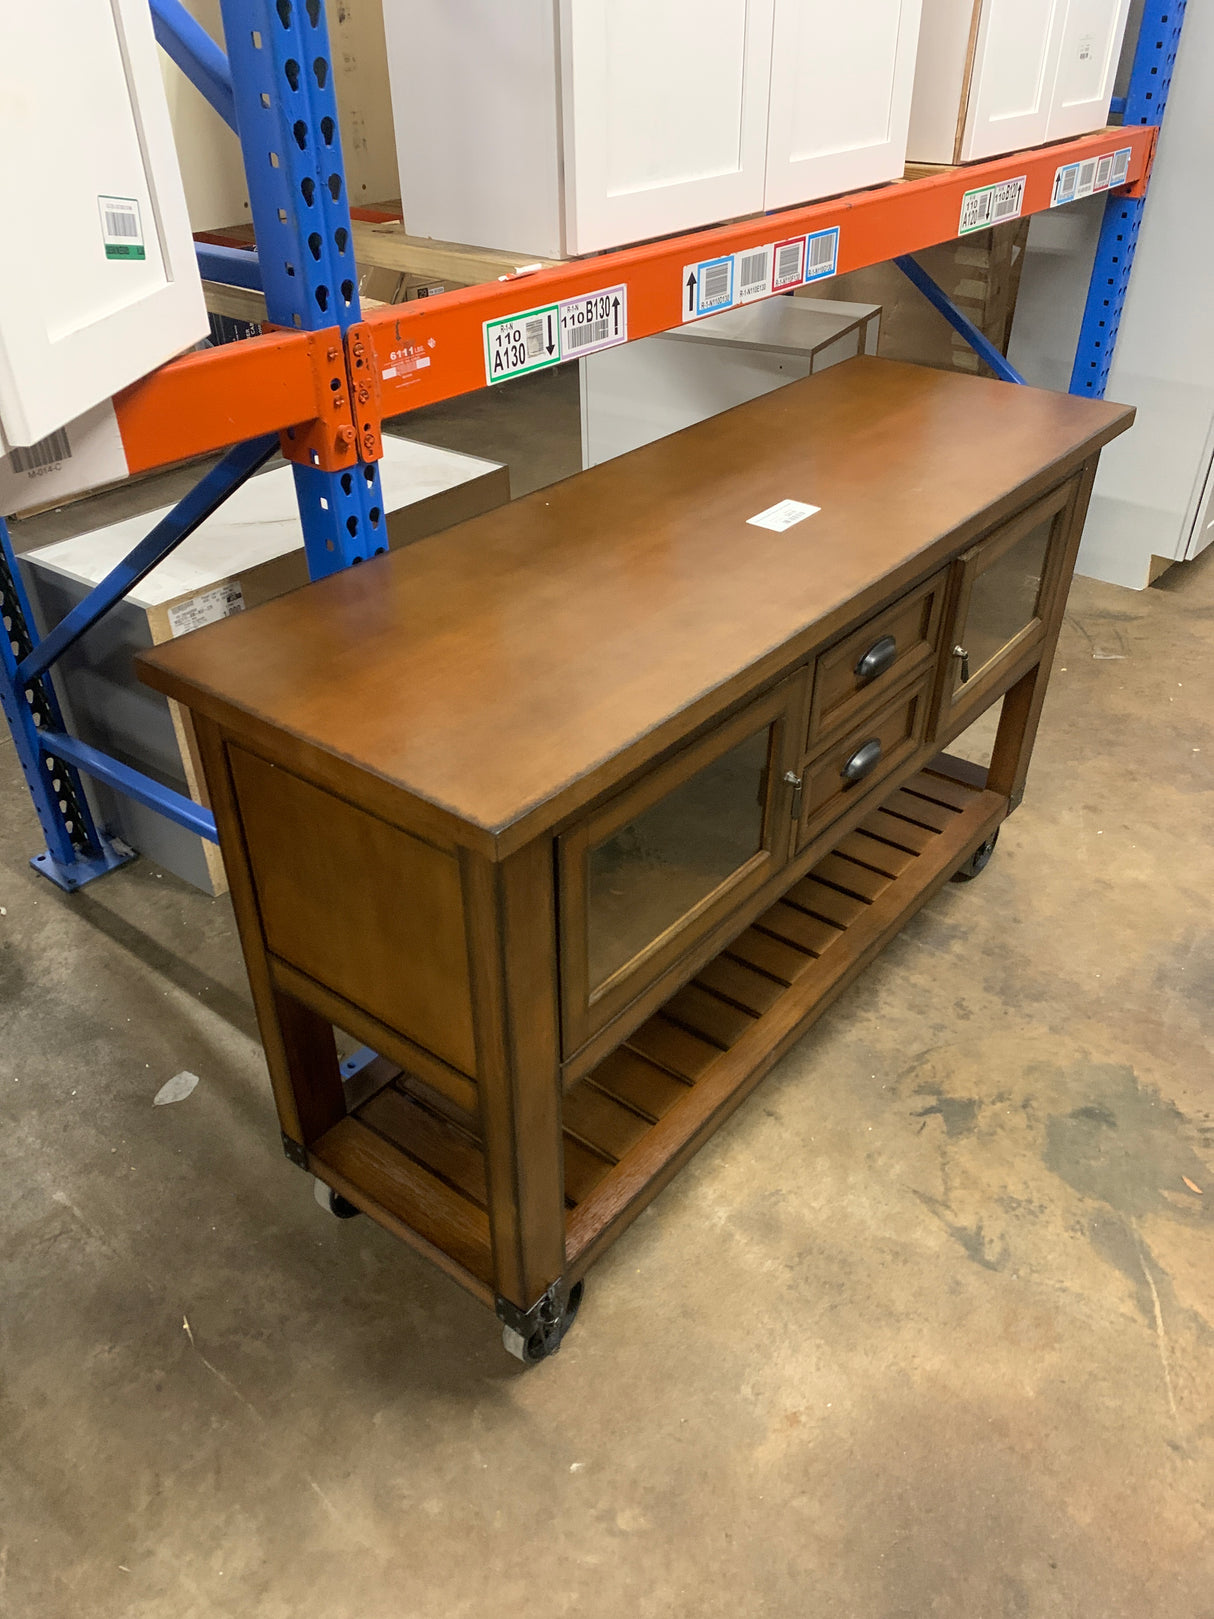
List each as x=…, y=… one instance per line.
x=647, y=1107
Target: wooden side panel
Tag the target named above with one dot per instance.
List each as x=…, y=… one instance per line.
x=360, y=906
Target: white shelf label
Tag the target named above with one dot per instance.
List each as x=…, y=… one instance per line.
x=991, y=205
x=708, y=287
x=756, y=272
x=1075, y=180
x=538, y=338
x=752, y=274
x=783, y=515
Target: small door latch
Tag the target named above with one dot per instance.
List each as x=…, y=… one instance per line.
x=796, y=783
x=960, y=652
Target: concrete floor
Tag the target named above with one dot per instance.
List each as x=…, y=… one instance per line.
x=927, y=1329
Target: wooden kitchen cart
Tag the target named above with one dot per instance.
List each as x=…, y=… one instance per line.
x=581, y=812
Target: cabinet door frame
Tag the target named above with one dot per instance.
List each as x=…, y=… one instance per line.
x=584, y=1011
x=986, y=682
x=594, y=218
x=982, y=136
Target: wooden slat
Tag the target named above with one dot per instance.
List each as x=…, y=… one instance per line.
x=674, y=1048
x=753, y=991
x=433, y=1142
x=940, y=790
x=584, y=1170
x=379, y=1177
x=708, y=1016
x=643, y=1086
x=933, y=816
x=799, y=928
x=870, y=851
x=601, y=1122
x=827, y=903
x=780, y=960
x=859, y=881
x=893, y=829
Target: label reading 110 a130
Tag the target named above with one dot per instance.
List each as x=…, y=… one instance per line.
x=541, y=337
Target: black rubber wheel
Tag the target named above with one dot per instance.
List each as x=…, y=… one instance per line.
x=978, y=861
x=547, y=1338
x=341, y=1206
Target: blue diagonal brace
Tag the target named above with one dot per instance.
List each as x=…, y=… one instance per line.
x=187, y=42
x=978, y=341
x=207, y=495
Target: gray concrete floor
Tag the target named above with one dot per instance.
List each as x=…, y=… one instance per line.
x=927, y=1328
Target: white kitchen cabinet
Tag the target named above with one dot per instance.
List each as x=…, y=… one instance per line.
x=996, y=75
x=568, y=128
x=98, y=281
x=841, y=83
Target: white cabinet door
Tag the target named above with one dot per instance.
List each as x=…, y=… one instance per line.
x=1012, y=82
x=665, y=115
x=841, y=85
x=98, y=280
x=1087, y=65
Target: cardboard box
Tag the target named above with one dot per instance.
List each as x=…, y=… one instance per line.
x=249, y=551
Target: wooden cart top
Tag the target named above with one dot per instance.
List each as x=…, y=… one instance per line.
x=506, y=671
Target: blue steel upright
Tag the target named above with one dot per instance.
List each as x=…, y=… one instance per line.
x=1145, y=101
x=286, y=115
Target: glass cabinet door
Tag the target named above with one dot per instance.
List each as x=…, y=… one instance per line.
x=1007, y=585
x=666, y=858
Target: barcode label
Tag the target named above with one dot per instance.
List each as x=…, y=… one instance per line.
x=121, y=228
x=1075, y=180
x=790, y=260
x=580, y=337
x=822, y=254
x=1087, y=178
x=35, y=459
x=991, y=205
x=534, y=330
x=1121, y=167
x=1103, y=169
x=753, y=273
x=715, y=284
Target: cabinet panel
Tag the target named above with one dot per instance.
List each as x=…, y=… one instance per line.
x=670, y=855
x=1006, y=588
x=665, y=115
x=1087, y=65
x=841, y=85
x=1012, y=81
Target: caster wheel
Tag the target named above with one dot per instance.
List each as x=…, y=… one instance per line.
x=546, y=1339
x=334, y=1201
x=978, y=861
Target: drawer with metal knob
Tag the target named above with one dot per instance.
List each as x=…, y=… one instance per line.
x=860, y=760
x=884, y=653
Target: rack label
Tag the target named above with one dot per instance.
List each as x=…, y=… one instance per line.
x=596, y=320
x=538, y=338
x=1075, y=180
x=991, y=205
x=727, y=282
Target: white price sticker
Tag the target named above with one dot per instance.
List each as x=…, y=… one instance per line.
x=783, y=515
x=208, y=608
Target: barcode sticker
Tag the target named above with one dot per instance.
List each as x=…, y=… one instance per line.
x=991, y=205
x=1066, y=180
x=708, y=287
x=1121, y=166
x=521, y=343
x=783, y=515
x=789, y=264
x=35, y=460
x=753, y=273
x=597, y=320
x=1075, y=180
x=121, y=228
x=821, y=254
x=207, y=608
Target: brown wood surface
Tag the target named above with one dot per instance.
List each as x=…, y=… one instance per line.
x=506, y=671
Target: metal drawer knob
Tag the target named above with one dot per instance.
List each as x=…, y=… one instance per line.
x=879, y=657
x=863, y=762
x=960, y=652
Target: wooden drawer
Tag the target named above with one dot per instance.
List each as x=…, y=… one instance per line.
x=862, y=758
x=897, y=643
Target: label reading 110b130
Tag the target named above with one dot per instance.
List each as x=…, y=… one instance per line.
x=536, y=338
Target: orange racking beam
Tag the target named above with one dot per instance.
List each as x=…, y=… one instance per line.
x=434, y=348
